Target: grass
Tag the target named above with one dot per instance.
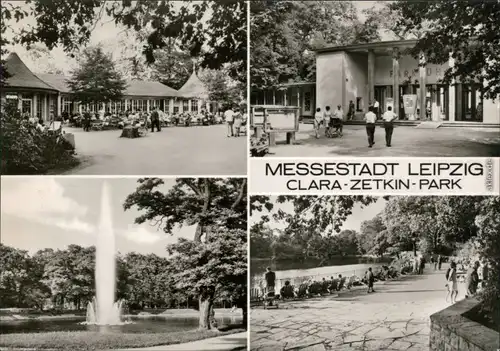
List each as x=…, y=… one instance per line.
x=89, y=341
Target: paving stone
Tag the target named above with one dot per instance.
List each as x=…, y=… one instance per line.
x=319, y=347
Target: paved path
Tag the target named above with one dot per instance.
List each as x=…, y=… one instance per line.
x=407, y=141
x=197, y=150
x=396, y=317
x=221, y=343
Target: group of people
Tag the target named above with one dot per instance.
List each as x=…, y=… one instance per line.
x=236, y=120
x=333, y=121
x=388, y=118
x=476, y=275
x=325, y=286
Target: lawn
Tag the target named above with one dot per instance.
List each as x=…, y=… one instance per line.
x=87, y=341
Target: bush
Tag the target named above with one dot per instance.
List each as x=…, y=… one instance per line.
x=29, y=150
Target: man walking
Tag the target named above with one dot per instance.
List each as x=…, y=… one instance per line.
x=155, y=120
x=338, y=116
x=270, y=278
x=371, y=279
x=370, y=119
x=229, y=118
x=388, y=118
x=439, y=262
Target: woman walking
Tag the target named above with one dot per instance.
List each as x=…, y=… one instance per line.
x=452, y=285
x=318, y=118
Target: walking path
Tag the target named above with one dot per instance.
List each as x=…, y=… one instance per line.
x=395, y=317
x=221, y=343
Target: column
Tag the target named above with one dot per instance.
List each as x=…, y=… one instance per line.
x=80, y=108
x=47, y=107
x=181, y=105
x=298, y=101
x=147, y=105
x=58, y=105
x=207, y=106
x=371, y=76
x=165, y=105
x=109, y=106
x=190, y=107
x=434, y=104
x=126, y=104
x=274, y=97
x=171, y=106
x=451, y=93
x=285, y=97
x=35, y=103
x=422, y=81
x=395, y=80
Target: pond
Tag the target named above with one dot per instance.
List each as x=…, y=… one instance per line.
x=295, y=270
x=150, y=324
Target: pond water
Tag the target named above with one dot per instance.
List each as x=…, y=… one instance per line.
x=296, y=271
x=150, y=324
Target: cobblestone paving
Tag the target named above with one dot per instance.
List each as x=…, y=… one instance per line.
x=396, y=317
x=406, y=142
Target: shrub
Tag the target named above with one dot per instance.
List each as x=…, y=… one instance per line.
x=29, y=150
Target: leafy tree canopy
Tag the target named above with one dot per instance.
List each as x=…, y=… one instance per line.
x=96, y=79
x=466, y=29
x=221, y=39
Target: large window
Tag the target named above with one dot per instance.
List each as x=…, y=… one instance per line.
x=39, y=101
x=185, y=105
x=66, y=104
x=26, y=106
x=307, y=101
x=194, y=105
x=166, y=106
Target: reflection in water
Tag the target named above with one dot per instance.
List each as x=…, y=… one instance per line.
x=150, y=324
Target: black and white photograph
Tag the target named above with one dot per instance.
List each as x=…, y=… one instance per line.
x=124, y=87
x=374, y=78
x=413, y=273
x=123, y=264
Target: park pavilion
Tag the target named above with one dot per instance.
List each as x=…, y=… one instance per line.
x=363, y=72
x=44, y=95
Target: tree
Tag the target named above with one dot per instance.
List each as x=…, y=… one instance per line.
x=466, y=29
x=369, y=231
x=43, y=60
x=207, y=203
x=221, y=88
x=284, y=35
x=218, y=208
x=220, y=39
x=214, y=268
x=96, y=80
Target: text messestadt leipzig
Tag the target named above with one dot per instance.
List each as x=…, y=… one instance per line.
x=414, y=168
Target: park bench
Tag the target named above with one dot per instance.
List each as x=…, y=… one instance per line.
x=130, y=132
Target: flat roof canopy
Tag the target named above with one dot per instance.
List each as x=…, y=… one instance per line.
x=379, y=48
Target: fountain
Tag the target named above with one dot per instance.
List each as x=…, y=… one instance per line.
x=103, y=310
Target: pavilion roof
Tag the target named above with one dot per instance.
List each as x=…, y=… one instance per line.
x=194, y=88
x=21, y=76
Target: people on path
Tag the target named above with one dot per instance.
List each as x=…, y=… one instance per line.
x=421, y=265
x=338, y=117
x=439, y=261
x=371, y=279
x=86, y=121
x=229, y=118
x=415, y=264
x=370, y=119
x=389, y=116
x=237, y=121
x=155, y=121
x=472, y=280
x=451, y=278
x=318, y=119
x=376, y=106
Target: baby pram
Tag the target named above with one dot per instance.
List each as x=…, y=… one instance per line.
x=270, y=298
x=333, y=129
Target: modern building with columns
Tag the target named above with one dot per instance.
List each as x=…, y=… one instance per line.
x=363, y=72
x=48, y=95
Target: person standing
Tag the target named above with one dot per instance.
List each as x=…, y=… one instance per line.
x=370, y=119
x=328, y=120
x=318, y=119
x=229, y=118
x=472, y=280
x=338, y=115
x=388, y=118
x=270, y=278
x=237, y=122
x=371, y=279
x=86, y=121
x=155, y=120
x=350, y=111
x=376, y=106
x=439, y=260
x=452, y=283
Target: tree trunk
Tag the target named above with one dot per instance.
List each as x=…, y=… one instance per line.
x=206, y=303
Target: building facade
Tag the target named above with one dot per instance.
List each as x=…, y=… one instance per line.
x=47, y=95
x=362, y=73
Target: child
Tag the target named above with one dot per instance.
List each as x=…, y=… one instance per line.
x=318, y=119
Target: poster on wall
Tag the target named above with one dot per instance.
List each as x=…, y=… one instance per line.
x=410, y=105
x=282, y=119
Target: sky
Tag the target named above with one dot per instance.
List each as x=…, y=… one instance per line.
x=353, y=222
x=53, y=212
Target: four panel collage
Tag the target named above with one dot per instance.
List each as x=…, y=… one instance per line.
x=171, y=175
